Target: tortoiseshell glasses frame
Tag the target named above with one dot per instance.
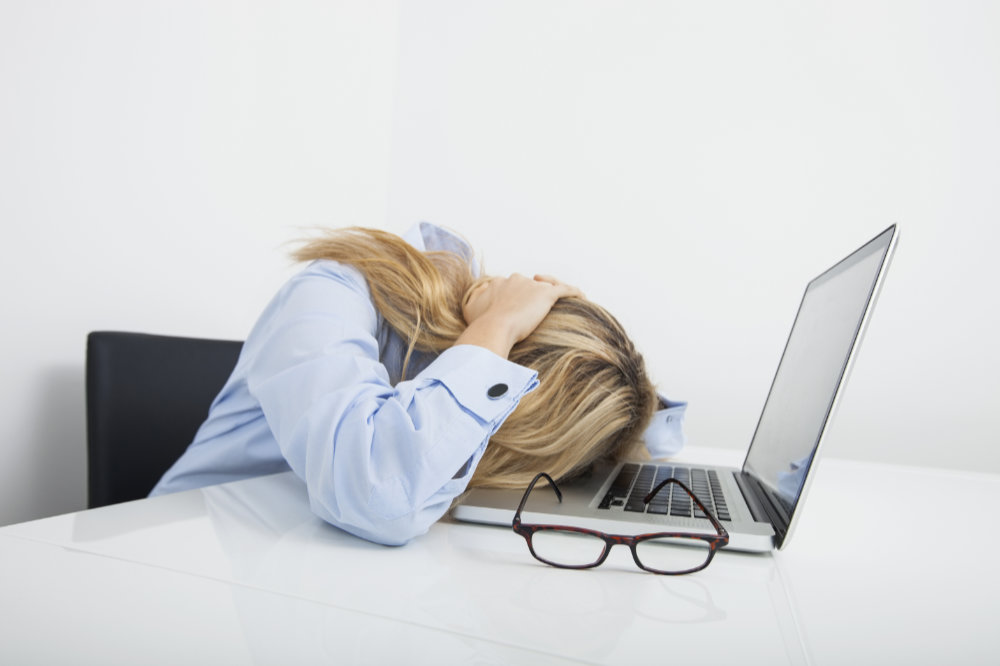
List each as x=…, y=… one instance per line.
x=712, y=542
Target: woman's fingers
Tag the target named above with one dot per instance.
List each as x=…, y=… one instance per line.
x=508, y=309
x=565, y=290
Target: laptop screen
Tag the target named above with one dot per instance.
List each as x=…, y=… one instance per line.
x=809, y=376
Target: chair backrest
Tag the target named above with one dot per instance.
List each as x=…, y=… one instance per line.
x=146, y=397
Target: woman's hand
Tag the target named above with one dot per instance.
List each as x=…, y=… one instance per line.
x=501, y=312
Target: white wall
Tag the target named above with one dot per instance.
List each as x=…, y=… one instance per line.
x=155, y=159
x=693, y=165
x=690, y=165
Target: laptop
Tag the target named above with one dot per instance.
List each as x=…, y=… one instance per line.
x=759, y=503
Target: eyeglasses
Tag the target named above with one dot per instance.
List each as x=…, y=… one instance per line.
x=669, y=553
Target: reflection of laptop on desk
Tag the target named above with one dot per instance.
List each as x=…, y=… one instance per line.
x=757, y=503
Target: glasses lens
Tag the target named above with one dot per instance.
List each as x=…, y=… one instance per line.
x=673, y=554
x=567, y=548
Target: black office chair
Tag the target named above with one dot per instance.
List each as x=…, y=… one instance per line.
x=146, y=397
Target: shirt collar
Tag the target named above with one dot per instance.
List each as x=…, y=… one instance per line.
x=428, y=237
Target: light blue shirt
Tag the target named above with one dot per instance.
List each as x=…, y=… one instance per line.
x=664, y=436
x=317, y=390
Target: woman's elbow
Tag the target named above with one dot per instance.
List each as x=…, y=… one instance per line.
x=396, y=532
x=389, y=529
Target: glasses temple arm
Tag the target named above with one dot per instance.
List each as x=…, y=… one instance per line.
x=524, y=498
x=715, y=523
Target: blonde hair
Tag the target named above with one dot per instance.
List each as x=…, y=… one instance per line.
x=594, y=397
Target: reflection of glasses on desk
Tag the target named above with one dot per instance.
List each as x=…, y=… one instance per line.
x=670, y=553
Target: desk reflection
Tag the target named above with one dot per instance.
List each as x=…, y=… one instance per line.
x=481, y=582
x=852, y=573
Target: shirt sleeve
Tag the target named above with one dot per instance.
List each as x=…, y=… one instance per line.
x=664, y=437
x=381, y=461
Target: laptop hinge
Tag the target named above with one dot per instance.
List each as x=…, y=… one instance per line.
x=763, y=506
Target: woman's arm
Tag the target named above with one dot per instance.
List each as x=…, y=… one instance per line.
x=378, y=460
x=503, y=311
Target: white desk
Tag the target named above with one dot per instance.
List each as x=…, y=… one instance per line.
x=243, y=573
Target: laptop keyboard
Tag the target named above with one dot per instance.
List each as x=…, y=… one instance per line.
x=635, y=481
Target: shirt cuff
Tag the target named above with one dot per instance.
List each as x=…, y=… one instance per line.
x=485, y=384
x=665, y=434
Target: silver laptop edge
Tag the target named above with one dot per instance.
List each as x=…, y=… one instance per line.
x=893, y=233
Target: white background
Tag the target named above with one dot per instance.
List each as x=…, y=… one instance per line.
x=690, y=165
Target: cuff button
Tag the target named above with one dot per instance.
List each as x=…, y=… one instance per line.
x=497, y=391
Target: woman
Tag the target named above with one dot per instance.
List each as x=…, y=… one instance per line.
x=390, y=379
